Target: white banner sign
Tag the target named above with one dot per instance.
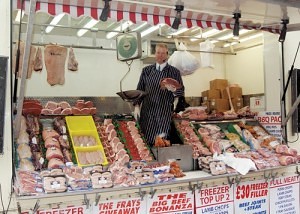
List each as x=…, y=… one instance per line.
x=284, y=195
x=121, y=206
x=67, y=210
x=176, y=203
x=215, y=200
x=252, y=197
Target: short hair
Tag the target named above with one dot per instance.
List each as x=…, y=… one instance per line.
x=161, y=45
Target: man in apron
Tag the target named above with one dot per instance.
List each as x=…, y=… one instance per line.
x=155, y=110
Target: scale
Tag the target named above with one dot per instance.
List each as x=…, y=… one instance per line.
x=129, y=48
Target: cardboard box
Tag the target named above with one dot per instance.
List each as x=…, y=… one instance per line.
x=204, y=95
x=213, y=94
x=235, y=92
x=220, y=105
x=218, y=84
x=206, y=104
x=183, y=154
x=237, y=103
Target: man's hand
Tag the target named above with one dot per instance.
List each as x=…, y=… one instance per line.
x=137, y=112
x=175, y=103
x=171, y=88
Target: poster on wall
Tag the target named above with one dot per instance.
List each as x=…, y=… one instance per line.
x=121, y=206
x=215, y=200
x=271, y=121
x=284, y=195
x=252, y=197
x=171, y=203
x=69, y=209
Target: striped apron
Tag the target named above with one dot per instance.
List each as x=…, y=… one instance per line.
x=157, y=105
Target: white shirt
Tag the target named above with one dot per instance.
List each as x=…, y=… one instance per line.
x=160, y=67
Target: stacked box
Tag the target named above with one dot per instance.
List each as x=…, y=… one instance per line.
x=218, y=84
x=220, y=105
x=204, y=95
x=235, y=92
x=237, y=103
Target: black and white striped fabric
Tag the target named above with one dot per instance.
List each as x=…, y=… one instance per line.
x=157, y=105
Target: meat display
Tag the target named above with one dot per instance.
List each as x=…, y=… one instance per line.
x=30, y=62
x=190, y=137
x=46, y=144
x=38, y=60
x=31, y=107
x=72, y=62
x=90, y=157
x=101, y=180
x=55, y=58
x=54, y=184
x=84, y=141
x=194, y=114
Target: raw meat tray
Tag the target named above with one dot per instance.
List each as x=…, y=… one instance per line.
x=83, y=128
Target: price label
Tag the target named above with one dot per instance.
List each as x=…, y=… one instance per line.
x=252, y=197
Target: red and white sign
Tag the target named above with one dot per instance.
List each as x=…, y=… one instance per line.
x=252, y=197
x=178, y=202
x=284, y=195
x=67, y=210
x=271, y=121
x=215, y=200
x=121, y=206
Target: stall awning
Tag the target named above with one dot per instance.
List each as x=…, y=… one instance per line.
x=138, y=13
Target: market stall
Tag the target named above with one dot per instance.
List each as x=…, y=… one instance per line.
x=101, y=164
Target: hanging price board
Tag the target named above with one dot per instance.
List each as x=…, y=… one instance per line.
x=252, y=197
x=271, y=121
x=284, y=195
x=215, y=200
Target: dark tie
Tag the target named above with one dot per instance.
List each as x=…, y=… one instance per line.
x=159, y=68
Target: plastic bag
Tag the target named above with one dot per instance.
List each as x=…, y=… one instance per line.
x=206, y=58
x=184, y=61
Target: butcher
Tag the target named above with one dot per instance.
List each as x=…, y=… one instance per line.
x=154, y=111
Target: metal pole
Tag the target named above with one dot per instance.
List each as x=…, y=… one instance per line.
x=294, y=107
x=283, y=104
x=29, y=32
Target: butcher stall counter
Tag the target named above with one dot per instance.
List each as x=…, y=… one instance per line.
x=62, y=166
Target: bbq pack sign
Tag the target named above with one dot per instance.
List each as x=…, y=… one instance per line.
x=252, y=197
x=215, y=200
x=121, y=206
x=284, y=195
x=171, y=203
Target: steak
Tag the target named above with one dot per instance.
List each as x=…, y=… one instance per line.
x=38, y=61
x=72, y=62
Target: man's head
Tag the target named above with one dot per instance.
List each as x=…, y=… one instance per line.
x=161, y=53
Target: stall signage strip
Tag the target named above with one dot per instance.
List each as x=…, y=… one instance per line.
x=252, y=197
x=284, y=195
x=137, y=13
x=171, y=203
x=215, y=200
x=121, y=206
x=271, y=121
x=67, y=210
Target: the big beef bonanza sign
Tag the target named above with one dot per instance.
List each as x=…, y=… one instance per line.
x=171, y=203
